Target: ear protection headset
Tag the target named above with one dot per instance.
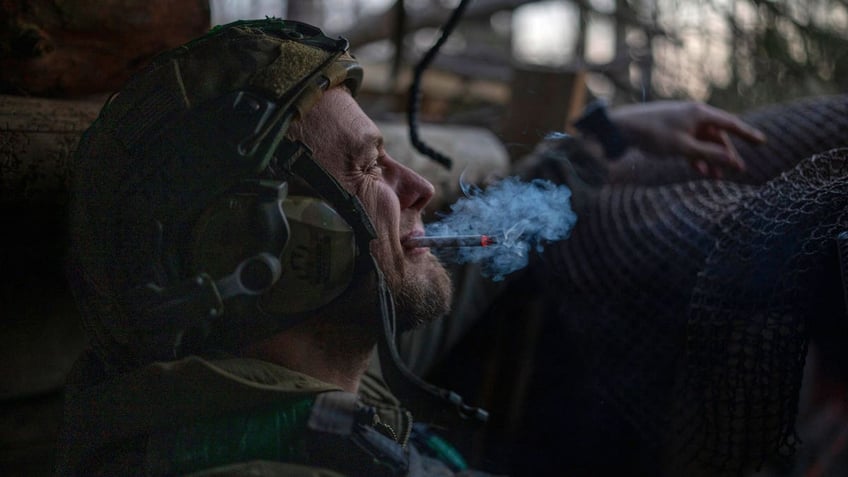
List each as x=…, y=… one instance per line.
x=300, y=250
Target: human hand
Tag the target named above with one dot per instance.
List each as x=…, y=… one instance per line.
x=696, y=131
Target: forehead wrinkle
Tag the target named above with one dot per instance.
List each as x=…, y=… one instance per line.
x=361, y=134
x=341, y=129
x=367, y=142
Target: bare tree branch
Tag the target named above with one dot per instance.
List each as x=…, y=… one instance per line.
x=378, y=27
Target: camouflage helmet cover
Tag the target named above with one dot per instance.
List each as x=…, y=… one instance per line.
x=159, y=153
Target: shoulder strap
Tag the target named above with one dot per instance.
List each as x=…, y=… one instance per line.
x=342, y=434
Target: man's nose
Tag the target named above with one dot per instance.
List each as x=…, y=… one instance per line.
x=413, y=191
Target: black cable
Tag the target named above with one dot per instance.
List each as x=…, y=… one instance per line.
x=429, y=402
x=415, y=88
x=397, y=39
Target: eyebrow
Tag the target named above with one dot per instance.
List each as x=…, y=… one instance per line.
x=376, y=140
x=367, y=142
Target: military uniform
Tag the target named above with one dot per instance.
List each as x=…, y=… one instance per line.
x=234, y=416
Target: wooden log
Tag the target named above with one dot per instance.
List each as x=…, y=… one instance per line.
x=42, y=336
x=544, y=100
x=81, y=47
x=38, y=137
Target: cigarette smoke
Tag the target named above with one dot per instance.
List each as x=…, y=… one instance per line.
x=522, y=216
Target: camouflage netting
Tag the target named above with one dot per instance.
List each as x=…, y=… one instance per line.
x=691, y=300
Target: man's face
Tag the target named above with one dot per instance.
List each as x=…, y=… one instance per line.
x=350, y=146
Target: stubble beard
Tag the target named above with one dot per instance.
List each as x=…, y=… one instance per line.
x=421, y=299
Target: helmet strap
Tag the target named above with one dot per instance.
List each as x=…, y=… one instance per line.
x=430, y=403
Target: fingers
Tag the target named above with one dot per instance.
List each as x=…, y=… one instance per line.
x=712, y=159
x=707, y=170
x=730, y=123
x=732, y=153
x=702, y=167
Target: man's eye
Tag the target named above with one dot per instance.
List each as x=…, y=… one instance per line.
x=375, y=166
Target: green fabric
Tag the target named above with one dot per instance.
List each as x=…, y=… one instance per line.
x=231, y=416
x=266, y=468
x=174, y=394
x=274, y=434
x=446, y=453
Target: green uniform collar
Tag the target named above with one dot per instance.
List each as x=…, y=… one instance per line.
x=170, y=394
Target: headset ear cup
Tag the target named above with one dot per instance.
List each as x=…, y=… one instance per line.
x=318, y=261
x=228, y=231
x=316, y=247
x=274, y=231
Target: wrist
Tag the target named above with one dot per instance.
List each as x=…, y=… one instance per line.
x=595, y=123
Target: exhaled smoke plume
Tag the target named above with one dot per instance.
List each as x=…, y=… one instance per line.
x=520, y=216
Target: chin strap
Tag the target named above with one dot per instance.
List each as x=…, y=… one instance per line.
x=430, y=403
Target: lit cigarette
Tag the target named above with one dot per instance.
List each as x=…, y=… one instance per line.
x=446, y=241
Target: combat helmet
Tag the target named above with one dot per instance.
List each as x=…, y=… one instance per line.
x=182, y=214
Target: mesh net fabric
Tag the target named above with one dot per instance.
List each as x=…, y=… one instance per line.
x=689, y=299
x=767, y=275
